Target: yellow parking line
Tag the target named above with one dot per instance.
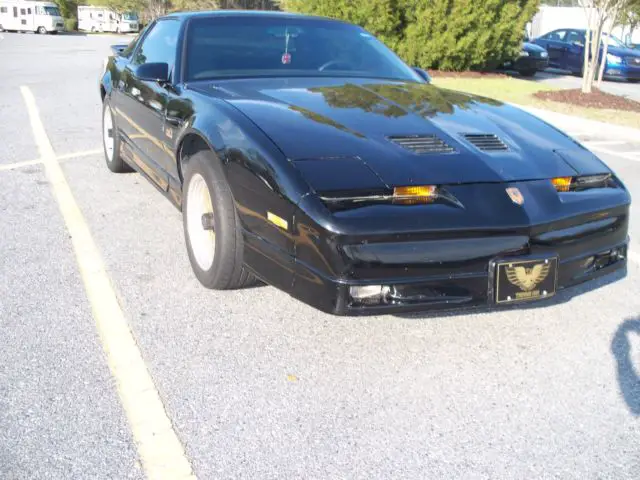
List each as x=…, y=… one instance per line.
x=66, y=156
x=85, y=153
x=160, y=450
x=13, y=166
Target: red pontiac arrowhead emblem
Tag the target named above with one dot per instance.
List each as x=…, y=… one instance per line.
x=515, y=195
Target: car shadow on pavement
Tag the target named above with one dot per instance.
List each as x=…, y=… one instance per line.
x=628, y=376
x=563, y=296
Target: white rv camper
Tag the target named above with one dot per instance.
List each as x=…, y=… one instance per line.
x=29, y=16
x=102, y=19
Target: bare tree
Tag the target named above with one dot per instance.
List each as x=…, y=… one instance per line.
x=613, y=17
x=598, y=12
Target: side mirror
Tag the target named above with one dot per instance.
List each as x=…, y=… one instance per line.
x=153, y=72
x=118, y=49
x=423, y=74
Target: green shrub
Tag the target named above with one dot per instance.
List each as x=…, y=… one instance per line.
x=70, y=24
x=439, y=34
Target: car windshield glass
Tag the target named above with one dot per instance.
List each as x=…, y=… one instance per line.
x=613, y=41
x=225, y=47
x=129, y=16
x=53, y=11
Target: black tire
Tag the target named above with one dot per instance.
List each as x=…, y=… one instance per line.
x=527, y=73
x=42, y=30
x=116, y=164
x=227, y=271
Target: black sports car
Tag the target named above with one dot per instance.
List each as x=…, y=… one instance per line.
x=531, y=59
x=304, y=153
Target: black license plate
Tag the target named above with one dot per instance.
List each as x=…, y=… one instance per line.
x=526, y=280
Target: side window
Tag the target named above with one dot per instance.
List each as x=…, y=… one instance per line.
x=575, y=37
x=15, y=11
x=160, y=44
x=3, y=9
x=29, y=11
x=22, y=11
x=132, y=46
x=558, y=35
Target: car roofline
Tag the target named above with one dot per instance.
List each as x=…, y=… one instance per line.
x=247, y=14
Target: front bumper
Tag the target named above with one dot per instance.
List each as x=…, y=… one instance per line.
x=446, y=291
x=129, y=28
x=531, y=63
x=623, y=72
x=455, y=270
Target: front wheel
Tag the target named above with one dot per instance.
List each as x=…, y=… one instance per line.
x=111, y=141
x=42, y=30
x=211, y=227
x=527, y=73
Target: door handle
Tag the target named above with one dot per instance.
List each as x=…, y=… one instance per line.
x=175, y=121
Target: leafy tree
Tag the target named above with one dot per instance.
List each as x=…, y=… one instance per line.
x=68, y=8
x=443, y=34
x=384, y=18
x=121, y=6
x=461, y=35
x=630, y=17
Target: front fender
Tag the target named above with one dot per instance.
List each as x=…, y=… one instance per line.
x=244, y=150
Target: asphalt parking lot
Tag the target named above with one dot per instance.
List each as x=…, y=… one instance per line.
x=254, y=383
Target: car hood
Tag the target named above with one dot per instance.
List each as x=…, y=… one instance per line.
x=532, y=47
x=331, y=119
x=623, y=52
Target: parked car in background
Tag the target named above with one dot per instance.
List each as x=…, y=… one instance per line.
x=532, y=58
x=29, y=16
x=566, y=51
x=102, y=19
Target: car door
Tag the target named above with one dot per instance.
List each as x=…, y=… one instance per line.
x=556, y=46
x=574, y=55
x=142, y=104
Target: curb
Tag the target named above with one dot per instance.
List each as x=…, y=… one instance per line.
x=573, y=125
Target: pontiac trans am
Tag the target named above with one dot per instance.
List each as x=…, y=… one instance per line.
x=304, y=153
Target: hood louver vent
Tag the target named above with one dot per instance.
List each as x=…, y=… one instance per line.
x=423, y=144
x=486, y=142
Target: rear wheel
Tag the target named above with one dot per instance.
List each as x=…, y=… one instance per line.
x=42, y=30
x=211, y=228
x=111, y=141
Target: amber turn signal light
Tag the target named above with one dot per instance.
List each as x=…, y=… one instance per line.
x=423, y=191
x=562, y=184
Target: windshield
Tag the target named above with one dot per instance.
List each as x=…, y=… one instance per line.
x=282, y=47
x=53, y=11
x=129, y=16
x=614, y=42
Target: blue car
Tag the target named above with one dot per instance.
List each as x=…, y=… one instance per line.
x=566, y=51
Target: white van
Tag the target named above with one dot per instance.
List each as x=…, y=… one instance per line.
x=29, y=16
x=102, y=19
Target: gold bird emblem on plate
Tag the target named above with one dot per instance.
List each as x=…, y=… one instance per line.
x=528, y=278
